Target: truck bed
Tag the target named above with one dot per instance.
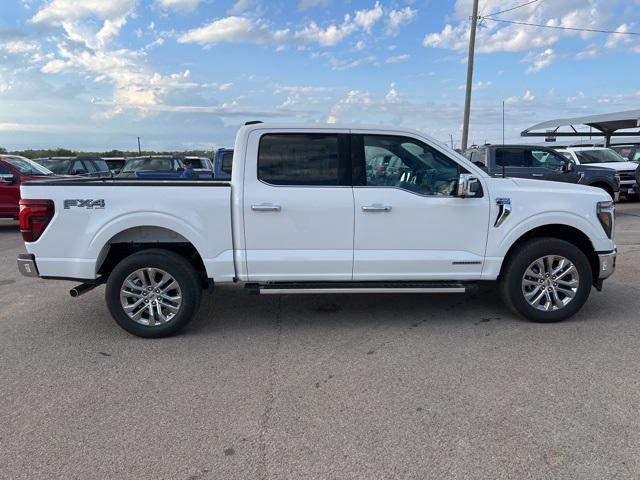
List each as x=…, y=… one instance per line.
x=92, y=214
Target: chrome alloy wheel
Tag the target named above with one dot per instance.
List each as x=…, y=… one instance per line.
x=150, y=296
x=550, y=283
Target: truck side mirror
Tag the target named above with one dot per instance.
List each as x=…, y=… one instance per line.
x=468, y=185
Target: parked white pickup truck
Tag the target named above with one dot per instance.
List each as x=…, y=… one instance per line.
x=320, y=210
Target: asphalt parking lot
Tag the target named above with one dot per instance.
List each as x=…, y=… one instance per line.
x=424, y=387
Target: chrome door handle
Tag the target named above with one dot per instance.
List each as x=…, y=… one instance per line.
x=266, y=207
x=537, y=174
x=376, y=208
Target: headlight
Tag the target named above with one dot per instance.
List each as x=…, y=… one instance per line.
x=607, y=215
x=617, y=179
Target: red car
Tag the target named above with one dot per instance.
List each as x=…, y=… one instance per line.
x=14, y=170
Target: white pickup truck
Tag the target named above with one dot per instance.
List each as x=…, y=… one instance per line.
x=318, y=210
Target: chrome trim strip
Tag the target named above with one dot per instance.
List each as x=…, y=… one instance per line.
x=294, y=291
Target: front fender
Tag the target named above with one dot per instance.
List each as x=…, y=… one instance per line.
x=507, y=235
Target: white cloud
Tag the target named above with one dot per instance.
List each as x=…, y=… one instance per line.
x=296, y=89
x=398, y=58
x=366, y=19
x=234, y=29
x=56, y=12
x=578, y=96
x=178, y=5
x=19, y=47
x=329, y=36
x=245, y=29
x=477, y=85
x=628, y=42
x=392, y=95
x=225, y=86
x=539, y=60
x=591, y=51
x=498, y=37
x=71, y=14
x=241, y=6
x=397, y=18
x=527, y=97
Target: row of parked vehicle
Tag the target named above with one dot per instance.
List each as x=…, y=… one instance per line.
x=14, y=170
x=605, y=168
x=151, y=166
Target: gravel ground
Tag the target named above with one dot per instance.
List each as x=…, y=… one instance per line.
x=354, y=386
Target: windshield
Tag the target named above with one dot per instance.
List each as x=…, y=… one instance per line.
x=149, y=165
x=599, y=156
x=101, y=165
x=26, y=166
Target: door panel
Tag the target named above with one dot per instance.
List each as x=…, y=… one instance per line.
x=420, y=237
x=409, y=225
x=9, y=194
x=298, y=216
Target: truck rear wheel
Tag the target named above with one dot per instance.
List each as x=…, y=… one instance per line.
x=546, y=280
x=153, y=293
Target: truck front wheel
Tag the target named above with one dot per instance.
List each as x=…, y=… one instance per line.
x=153, y=293
x=546, y=280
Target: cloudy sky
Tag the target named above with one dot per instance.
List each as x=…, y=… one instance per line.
x=183, y=74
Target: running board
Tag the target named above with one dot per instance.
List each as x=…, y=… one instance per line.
x=355, y=287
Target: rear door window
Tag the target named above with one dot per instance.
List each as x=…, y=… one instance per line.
x=513, y=157
x=310, y=159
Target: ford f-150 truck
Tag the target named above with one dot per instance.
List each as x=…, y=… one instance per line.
x=542, y=163
x=305, y=213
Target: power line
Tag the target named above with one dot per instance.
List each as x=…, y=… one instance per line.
x=557, y=27
x=510, y=9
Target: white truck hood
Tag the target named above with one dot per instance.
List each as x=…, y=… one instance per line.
x=617, y=166
x=532, y=185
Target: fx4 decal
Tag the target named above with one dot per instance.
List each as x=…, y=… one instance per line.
x=88, y=204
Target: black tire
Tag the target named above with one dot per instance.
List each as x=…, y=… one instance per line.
x=178, y=267
x=511, y=281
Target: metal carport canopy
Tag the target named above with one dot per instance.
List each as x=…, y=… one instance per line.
x=607, y=124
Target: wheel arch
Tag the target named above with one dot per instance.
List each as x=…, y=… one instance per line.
x=562, y=232
x=145, y=237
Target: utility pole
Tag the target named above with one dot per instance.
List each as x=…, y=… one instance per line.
x=451, y=136
x=139, y=150
x=467, y=99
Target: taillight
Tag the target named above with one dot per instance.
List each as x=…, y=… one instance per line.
x=35, y=216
